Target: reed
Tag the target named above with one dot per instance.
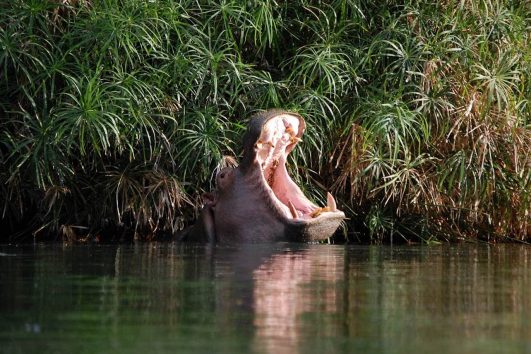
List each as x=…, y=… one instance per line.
x=116, y=112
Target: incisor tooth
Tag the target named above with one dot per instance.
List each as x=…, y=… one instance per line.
x=294, y=139
x=292, y=210
x=330, y=202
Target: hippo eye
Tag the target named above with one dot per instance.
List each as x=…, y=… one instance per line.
x=222, y=175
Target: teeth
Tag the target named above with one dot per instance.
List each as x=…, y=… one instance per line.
x=260, y=144
x=330, y=202
x=317, y=212
x=292, y=210
x=294, y=139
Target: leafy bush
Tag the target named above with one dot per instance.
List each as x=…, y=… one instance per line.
x=116, y=112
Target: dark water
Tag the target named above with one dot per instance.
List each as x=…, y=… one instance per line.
x=280, y=298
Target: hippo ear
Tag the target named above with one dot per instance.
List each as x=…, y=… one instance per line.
x=228, y=161
x=210, y=198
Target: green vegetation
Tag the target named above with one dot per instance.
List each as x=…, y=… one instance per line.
x=115, y=113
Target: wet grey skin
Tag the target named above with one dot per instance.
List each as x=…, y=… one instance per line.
x=257, y=201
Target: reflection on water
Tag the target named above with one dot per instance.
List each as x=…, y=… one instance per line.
x=289, y=285
x=279, y=298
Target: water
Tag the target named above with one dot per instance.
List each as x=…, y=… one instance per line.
x=279, y=298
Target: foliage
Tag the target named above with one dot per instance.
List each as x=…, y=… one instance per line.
x=116, y=112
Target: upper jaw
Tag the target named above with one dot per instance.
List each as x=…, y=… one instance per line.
x=275, y=138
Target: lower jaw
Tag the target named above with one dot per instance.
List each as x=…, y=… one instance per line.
x=291, y=212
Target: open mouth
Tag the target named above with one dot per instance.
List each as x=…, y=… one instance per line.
x=278, y=137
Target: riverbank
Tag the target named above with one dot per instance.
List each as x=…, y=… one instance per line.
x=115, y=114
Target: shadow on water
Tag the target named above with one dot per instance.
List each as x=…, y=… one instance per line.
x=270, y=298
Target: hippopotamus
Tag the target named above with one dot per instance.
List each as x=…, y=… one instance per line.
x=258, y=201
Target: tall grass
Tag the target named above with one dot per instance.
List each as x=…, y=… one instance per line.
x=116, y=112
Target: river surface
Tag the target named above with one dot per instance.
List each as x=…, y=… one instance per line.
x=276, y=298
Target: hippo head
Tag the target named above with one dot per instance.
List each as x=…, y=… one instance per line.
x=258, y=201
x=271, y=136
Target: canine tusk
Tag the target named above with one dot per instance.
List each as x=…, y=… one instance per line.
x=330, y=202
x=292, y=210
